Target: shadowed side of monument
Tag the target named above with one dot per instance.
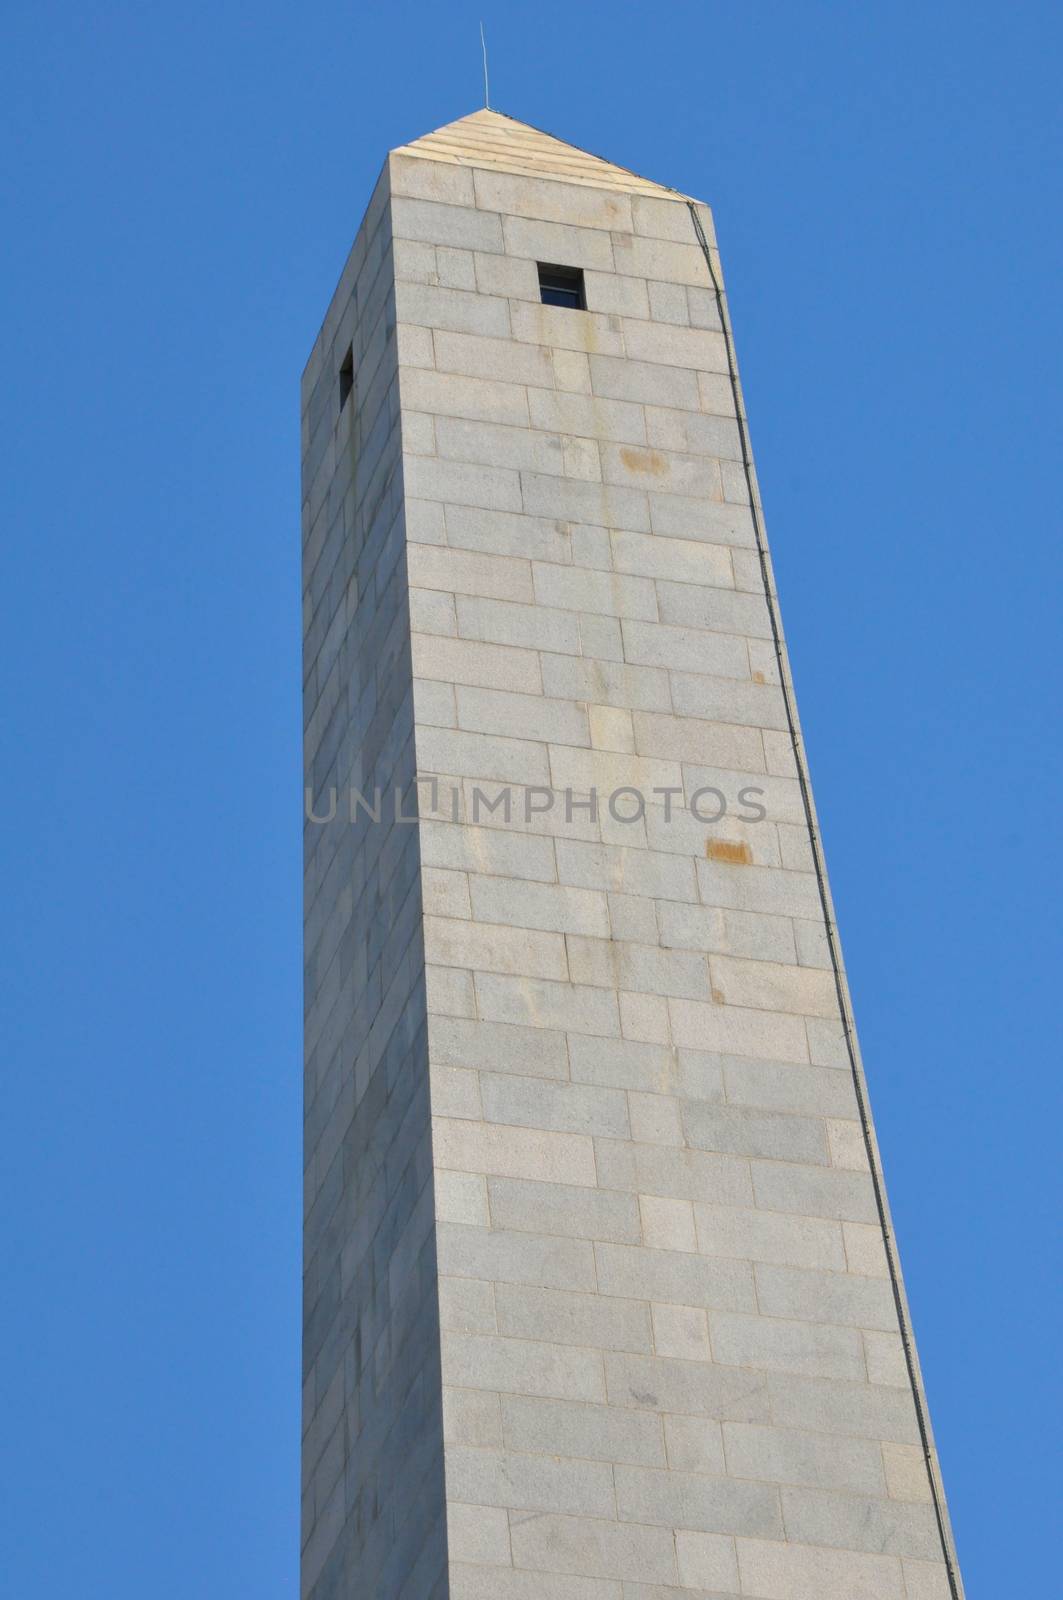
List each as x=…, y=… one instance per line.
x=373, y=1501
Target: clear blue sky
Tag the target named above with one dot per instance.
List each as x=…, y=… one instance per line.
x=181, y=184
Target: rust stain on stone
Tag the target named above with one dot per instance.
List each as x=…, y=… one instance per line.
x=650, y=461
x=758, y=677
x=734, y=850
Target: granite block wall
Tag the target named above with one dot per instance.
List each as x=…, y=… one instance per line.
x=373, y=1504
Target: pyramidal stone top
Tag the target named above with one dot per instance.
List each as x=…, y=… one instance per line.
x=491, y=140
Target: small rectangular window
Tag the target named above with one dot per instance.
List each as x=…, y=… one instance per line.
x=346, y=377
x=561, y=286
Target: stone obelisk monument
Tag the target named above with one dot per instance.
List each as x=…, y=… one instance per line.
x=602, y=1298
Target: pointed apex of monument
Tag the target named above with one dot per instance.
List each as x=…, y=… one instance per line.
x=497, y=143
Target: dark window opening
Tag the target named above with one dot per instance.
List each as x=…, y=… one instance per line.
x=562, y=286
x=346, y=377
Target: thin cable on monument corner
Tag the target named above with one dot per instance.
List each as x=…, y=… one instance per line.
x=845, y=1011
